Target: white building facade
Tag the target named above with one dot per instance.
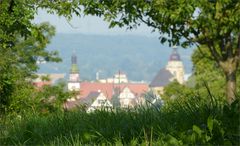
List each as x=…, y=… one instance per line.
x=100, y=102
x=127, y=98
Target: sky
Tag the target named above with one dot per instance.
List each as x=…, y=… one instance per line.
x=89, y=25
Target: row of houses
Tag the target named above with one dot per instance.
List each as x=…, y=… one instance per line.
x=98, y=95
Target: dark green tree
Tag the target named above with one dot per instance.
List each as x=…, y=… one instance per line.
x=23, y=43
x=52, y=98
x=19, y=62
x=206, y=72
x=176, y=90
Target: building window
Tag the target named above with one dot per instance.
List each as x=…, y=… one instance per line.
x=101, y=102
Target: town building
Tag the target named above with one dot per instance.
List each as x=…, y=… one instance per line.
x=131, y=98
x=128, y=98
x=174, y=70
x=175, y=66
x=74, y=77
x=119, y=77
x=96, y=100
x=119, y=91
x=93, y=94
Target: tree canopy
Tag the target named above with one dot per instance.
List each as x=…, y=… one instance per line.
x=22, y=44
x=213, y=23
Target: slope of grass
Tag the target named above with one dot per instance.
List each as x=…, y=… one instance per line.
x=194, y=121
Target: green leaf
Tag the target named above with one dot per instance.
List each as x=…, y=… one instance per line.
x=197, y=130
x=172, y=140
x=163, y=40
x=210, y=124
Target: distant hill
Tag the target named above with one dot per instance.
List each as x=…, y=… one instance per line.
x=138, y=56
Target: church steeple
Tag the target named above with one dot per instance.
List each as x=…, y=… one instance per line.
x=74, y=77
x=175, y=66
x=174, y=56
x=74, y=59
x=74, y=67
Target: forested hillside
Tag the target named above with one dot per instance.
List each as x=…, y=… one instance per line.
x=139, y=56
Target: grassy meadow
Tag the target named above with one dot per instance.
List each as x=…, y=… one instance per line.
x=192, y=121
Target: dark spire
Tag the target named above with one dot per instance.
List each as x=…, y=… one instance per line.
x=74, y=59
x=74, y=67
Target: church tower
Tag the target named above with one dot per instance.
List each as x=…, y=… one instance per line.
x=74, y=77
x=175, y=66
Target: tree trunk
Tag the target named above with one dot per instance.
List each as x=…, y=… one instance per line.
x=231, y=86
x=230, y=69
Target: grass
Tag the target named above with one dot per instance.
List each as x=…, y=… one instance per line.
x=193, y=121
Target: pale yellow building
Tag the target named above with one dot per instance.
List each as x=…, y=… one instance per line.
x=175, y=66
x=174, y=70
x=118, y=78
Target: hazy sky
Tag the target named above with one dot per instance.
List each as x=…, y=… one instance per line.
x=88, y=25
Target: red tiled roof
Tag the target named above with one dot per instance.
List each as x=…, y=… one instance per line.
x=136, y=88
x=41, y=83
x=108, y=88
x=87, y=87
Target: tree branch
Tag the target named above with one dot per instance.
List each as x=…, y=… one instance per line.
x=147, y=23
x=11, y=4
x=238, y=47
x=213, y=51
x=228, y=46
x=203, y=54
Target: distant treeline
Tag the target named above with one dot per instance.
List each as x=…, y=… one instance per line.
x=138, y=56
